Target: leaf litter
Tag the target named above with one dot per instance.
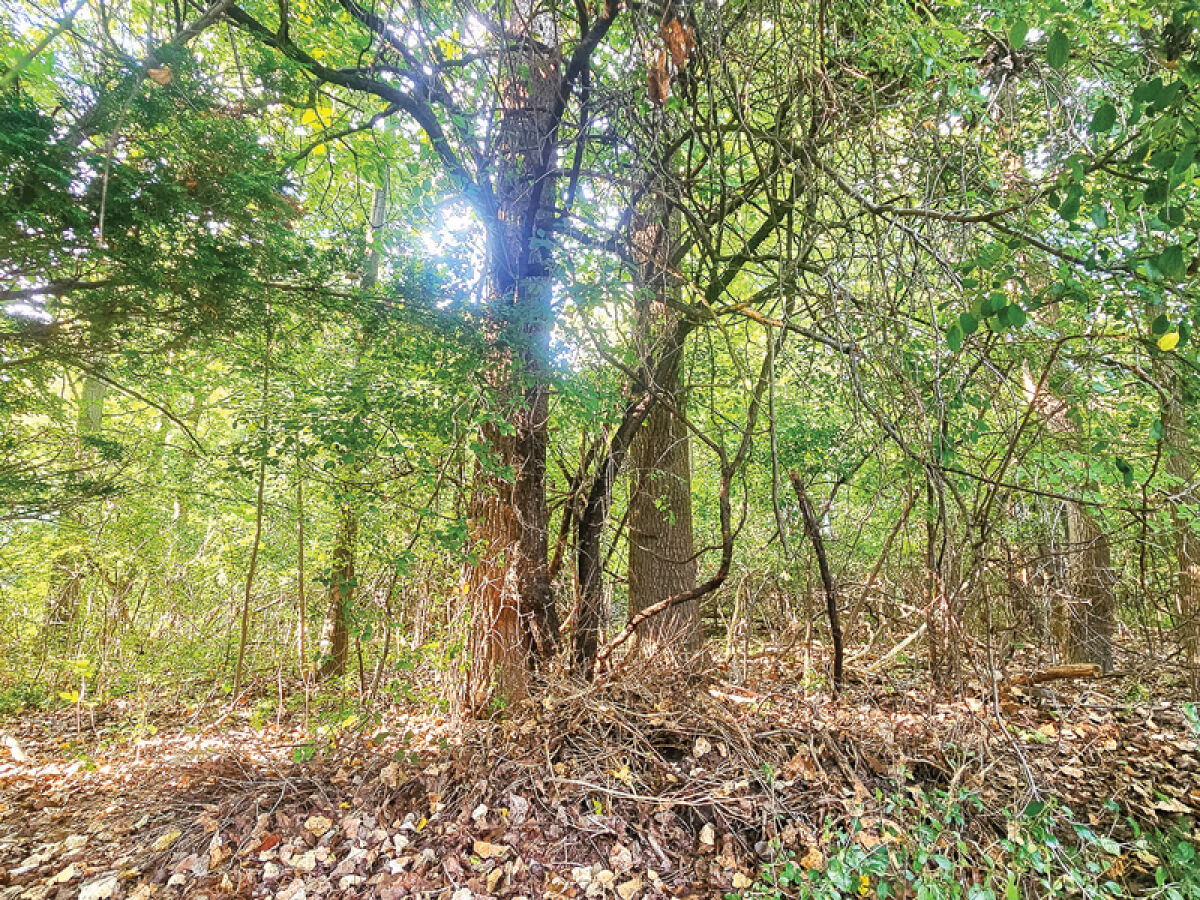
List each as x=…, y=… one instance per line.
x=649, y=786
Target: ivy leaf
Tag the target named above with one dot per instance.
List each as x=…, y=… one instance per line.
x=1058, y=51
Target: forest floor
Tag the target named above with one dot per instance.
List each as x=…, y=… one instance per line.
x=684, y=789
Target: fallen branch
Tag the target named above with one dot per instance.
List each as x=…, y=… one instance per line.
x=1058, y=673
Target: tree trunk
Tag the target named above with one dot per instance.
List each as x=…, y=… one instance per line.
x=1091, y=611
x=812, y=528
x=662, y=559
x=513, y=619
x=335, y=630
x=69, y=563
x=1178, y=464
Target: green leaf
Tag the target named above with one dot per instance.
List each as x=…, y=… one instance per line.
x=1058, y=51
x=1016, y=316
x=1069, y=208
x=968, y=323
x=1160, y=325
x=1170, y=262
x=954, y=337
x=1157, y=192
x=1185, y=158
x=1156, y=430
x=1103, y=119
x=1163, y=159
x=1017, y=33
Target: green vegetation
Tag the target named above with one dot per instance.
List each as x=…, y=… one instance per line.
x=444, y=359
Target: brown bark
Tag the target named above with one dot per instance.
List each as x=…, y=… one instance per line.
x=812, y=528
x=1058, y=673
x=339, y=597
x=662, y=558
x=514, y=621
x=1091, y=611
x=1178, y=464
x=662, y=561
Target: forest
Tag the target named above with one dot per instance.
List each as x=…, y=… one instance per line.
x=599, y=449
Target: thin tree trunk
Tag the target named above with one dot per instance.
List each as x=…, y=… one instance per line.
x=335, y=630
x=245, y=617
x=812, y=528
x=301, y=602
x=1178, y=464
x=69, y=563
x=1091, y=611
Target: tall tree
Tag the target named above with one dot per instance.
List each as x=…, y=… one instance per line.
x=662, y=560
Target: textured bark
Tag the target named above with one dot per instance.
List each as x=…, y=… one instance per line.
x=1091, y=611
x=662, y=558
x=513, y=617
x=339, y=597
x=1178, y=464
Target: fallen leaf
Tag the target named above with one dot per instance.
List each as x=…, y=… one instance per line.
x=318, y=825
x=165, y=841
x=101, y=888
x=488, y=850
x=813, y=859
x=627, y=890
x=70, y=873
